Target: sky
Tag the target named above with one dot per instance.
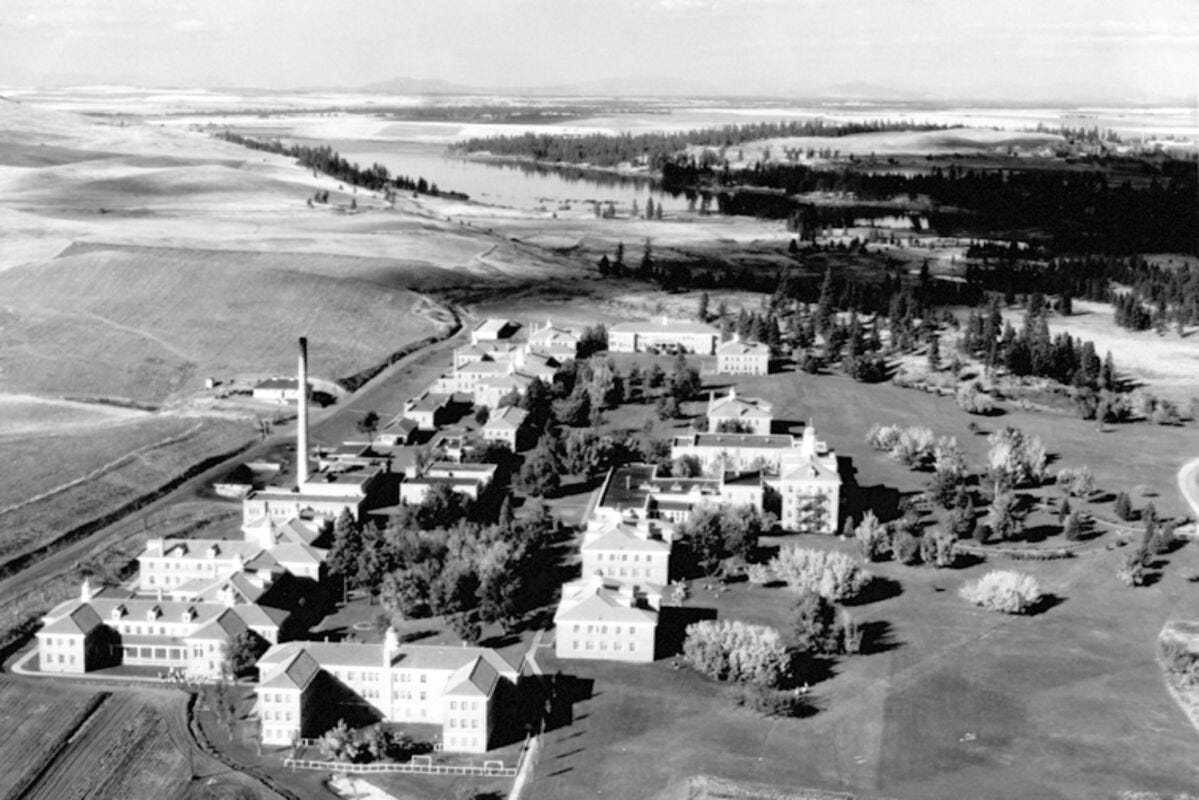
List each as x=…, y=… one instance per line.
x=1133, y=50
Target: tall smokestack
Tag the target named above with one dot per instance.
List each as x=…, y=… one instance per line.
x=302, y=417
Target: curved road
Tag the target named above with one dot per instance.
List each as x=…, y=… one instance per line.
x=1188, y=484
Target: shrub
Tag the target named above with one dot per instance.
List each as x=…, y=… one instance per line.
x=1076, y=482
x=340, y=743
x=1132, y=571
x=1179, y=659
x=906, y=547
x=916, y=447
x=1073, y=527
x=1163, y=540
x=883, y=437
x=759, y=574
x=872, y=538
x=735, y=651
x=973, y=400
x=1005, y=517
x=1006, y=591
x=944, y=549
x=769, y=702
x=834, y=576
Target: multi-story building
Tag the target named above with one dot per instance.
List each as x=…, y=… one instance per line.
x=736, y=357
x=506, y=426
x=557, y=343
x=463, y=689
x=102, y=629
x=602, y=618
x=641, y=492
x=802, y=475
x=664, y=336
x=428, y=410
x=733, y=414
x=626, y=549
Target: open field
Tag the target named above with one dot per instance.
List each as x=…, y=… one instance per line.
x=951, y=702
x=139, y=459
x=42, y=722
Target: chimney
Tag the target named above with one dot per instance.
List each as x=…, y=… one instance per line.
x=85, y=590
x=302, y=417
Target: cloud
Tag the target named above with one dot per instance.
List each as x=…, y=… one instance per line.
x=189, y=26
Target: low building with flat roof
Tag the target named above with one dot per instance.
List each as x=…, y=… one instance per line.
x=279, y=390
x=663, y=335
x=493, y=329
x=465, y=690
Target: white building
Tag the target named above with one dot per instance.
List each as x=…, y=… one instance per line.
x=506, y=426
x=557, y=343
x=733, y=414
x=600, y=618
x=619, y=547
x=663, y=335
x=470, y=480
x=279, y=390
x=465, y=690
x=493, y=330
x=324, y=495
x=102, y=629
x=742, y=358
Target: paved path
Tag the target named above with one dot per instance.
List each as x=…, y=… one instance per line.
x=1188, y=484
x=529, y=763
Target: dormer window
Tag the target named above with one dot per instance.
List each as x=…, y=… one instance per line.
x=189, y=614
x=118, y=612
x=214, y=551
x=153, y=613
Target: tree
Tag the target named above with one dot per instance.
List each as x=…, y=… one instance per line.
x=242, y=652
x=701, y=311
x=368, y=424
x=1072, y=529
x=541, y=473
x=667, y=408
x=871, y=536
x=605, y=266
x=465, y=626
x=814, y=624
x=1005, y=517
x=347, y=544
x=1123, y=507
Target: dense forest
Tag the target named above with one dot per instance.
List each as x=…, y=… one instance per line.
x=1075, y=211
x=376, y=178
x=658, y=148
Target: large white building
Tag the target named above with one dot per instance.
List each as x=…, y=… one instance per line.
x=469, y=480
x=107, y=628
x=742, y=358
x=606, y=619
x=627, y=549
x=663, y=335
x=733, y=414
x=463, y=689
x=506, y=426
x=803, y=473
x=325, y=494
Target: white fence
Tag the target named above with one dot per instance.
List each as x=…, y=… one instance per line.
x=418, y=765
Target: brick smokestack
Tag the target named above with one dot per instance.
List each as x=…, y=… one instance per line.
x=302, y=416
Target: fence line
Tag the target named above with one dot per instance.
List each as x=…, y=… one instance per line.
x=489, y=769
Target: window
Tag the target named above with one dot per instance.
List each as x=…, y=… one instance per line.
x=453, y=705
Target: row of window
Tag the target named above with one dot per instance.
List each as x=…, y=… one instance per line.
x=602, y=645
x=649, y=559
x=465, y=705
x=602, y=629
x=349, y=676
x=470, y=742
x=628, y=572
x=277, y=716
x=457, y=723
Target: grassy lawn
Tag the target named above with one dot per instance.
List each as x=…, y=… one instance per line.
x=952, y=701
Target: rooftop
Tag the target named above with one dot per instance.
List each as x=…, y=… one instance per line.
x=726, y=440
x=494, y=328
x=591, y=600
x=663, y=324
x=735, y=347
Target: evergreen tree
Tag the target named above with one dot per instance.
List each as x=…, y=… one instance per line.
x=541, y=473
x=347, y=545
x=701, y=311
x=605, y=267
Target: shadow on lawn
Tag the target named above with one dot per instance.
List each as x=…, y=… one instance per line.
x=1048, y=600
x=876, y=637
x=877, y=590
x=565, y=691
x=672, y=627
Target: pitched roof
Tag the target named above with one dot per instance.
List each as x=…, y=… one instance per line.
x=811, y=470
x=295, y=673
x=81, y=620
x=476, y=679
x=734, y=347
x=740, y=407
x=280, y=383
x=596, y=601
x=623, y=537
x=508, y=417
x=226, y=625
x=725, y=440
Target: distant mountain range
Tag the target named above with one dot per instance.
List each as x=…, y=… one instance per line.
x=628, y=86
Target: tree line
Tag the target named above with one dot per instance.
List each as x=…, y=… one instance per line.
x=324, y=159
x=659, y=148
